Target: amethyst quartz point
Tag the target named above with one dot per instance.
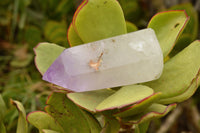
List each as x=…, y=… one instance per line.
x=117, y=61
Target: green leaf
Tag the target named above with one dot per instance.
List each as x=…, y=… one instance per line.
x=46, y=53
x=42, y=120
x=139, y=106
x=190, y=32
x=112, y=125
x=192, y=26
x=142, y=128
x=49, y=131
x=56, y=32
x=183, y=41
x=126, y=96
x=2, y=108
x=73, y=37
x=131, y=27
x=33, y=35
x=153, y=112
x=64, y=7
x=92, y=122
x=22, y=126
x=99, y=19
x=168, y=26
x=2, y=127
x=67, y=114
x=178, y=72
x=22, y=62
x=2, y=114
x=132, y=10
x=187, y=94
x=89, y=100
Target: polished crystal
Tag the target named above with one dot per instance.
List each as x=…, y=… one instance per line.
x=122, y=60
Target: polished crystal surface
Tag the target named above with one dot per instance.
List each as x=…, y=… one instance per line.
x=122, y=60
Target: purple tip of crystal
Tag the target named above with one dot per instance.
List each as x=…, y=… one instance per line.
x=56, y=73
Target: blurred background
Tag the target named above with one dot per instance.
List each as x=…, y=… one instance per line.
x=25, y=23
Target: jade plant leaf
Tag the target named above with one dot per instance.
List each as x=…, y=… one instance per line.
x=138, y=107
x=46, y=53
x=153, y=112
x=190, y=32
x=168, y=26
x=127, y=95
x=97, y=19
x=178, y=72
x=73, y=37
x=42, y=120
x=187, y=94
x=68, y=115
x=89, y=100
x=192, y=26
x=22, y=126
x=131, y=27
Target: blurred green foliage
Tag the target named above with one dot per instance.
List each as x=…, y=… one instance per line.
x=23, y=24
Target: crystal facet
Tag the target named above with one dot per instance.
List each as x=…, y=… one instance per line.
x=122, y=60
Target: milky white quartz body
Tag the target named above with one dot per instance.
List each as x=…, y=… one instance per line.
x=122, y=60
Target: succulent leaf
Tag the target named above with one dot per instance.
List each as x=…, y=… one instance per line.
x=45, y=55
x=153, y=112
x=168, y=26
x=89, y=100
x=42, y=120
x=68, y=115
x=73, y=37
x=97, y=19
x=131, y=27
x=126, y=96
x=178, y=72
x=138, y=107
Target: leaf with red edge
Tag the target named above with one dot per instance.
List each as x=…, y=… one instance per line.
x=89, y=100
x=99, y=19
x=193, y=24
x=178, y=74
x=153, y=112
x=69, y=116
x=73, y=37
x=168, y=26
x=45, y=55
x=187, y=94
x=190, y=32
x=42, y=120
x=126, y=96
x=138, y=107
